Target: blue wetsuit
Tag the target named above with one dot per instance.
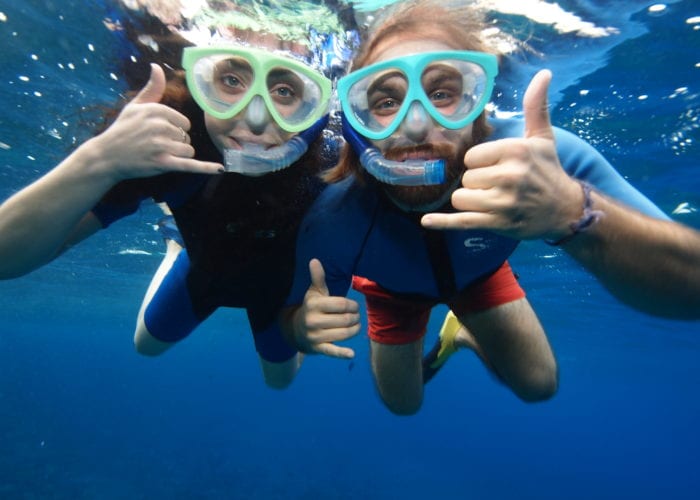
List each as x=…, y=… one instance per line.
x=354, y=229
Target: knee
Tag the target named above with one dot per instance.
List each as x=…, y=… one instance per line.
x=280, y=375
x=278, y=384
x=403, y=406
x=149, y=346
x=541, y=385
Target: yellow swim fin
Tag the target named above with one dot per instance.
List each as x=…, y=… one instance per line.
x=443, y=348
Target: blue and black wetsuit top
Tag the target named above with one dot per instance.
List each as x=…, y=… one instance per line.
x=240, y=232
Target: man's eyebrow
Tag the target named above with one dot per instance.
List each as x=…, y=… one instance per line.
x=441, y=72
x=378, y=83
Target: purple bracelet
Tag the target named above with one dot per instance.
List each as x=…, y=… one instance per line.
x=588, y=218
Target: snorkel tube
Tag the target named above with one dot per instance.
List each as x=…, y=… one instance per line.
x=400, y=173
x=255, y=163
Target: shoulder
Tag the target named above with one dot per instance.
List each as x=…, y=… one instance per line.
x=584, y=162
x=577, y=157
x=336, y=224
x=346, y=199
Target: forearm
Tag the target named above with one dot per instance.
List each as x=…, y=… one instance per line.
x=649, y=264
x=37, y=222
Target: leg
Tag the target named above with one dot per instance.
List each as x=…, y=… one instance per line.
x=510, y=340
x=166, y=314
x=395, y=326
x=280, y=375
x=398, y=375
x=279, y=361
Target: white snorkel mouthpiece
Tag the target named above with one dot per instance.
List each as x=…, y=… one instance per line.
x=255, y=161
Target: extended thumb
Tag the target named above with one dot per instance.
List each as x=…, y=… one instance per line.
x=318, y=276
x=154, y=88
x=535, y=106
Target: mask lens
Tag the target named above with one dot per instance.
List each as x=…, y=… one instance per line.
x=223, y=82
x=376, y=99
x=294, y=95
x=453, y=88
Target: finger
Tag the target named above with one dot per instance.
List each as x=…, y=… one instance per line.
x=154, y=88
x=485, y=199
x=182, y=149
x=179, y=123
x=179, y=134
x=460, y=220
x=333, y=335
x=535, y=107
x=329, y=327
x=489, y=153
x=335, y=351
x=178, y=164
x=336, y=305
x=318, y=276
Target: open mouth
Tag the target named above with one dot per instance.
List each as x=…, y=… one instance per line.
x=250, y=147
x=253, y=147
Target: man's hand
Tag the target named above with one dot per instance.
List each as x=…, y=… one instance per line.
x=322, y=320
x=516, y=187
x=148, y=138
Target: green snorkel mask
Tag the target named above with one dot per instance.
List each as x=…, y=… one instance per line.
x=225, y=80
x=227, y=75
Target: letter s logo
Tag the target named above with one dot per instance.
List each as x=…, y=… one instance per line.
x=477, y=244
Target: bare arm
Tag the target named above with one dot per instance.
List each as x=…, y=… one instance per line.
x=650, y=264
x=39, y=221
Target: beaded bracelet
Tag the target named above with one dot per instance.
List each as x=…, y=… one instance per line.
x=588, y=218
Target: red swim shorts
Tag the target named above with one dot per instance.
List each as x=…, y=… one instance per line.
x=395, y=320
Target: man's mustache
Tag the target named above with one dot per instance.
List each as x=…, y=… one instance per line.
x=401, y=153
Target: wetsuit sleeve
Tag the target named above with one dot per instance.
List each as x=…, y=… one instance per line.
x=122, y=200
x=126, y=197
x=582, y=161
x=116, y=205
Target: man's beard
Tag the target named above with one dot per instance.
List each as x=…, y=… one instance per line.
x=432, y=197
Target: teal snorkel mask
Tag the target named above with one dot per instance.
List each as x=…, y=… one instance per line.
x=452, y=87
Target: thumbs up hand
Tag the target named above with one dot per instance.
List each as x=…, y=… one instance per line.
x=516, y=186
x=322, y=320
x=147, y=138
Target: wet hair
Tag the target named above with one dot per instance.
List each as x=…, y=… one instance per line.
x=459, y=26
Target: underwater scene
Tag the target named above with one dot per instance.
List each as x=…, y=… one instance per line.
x=84, y=416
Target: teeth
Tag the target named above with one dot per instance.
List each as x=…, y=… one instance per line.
x=251, y=147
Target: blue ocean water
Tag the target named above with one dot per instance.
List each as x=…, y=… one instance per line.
x=83, y=416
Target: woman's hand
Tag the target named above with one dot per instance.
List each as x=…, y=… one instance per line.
x=147, y=138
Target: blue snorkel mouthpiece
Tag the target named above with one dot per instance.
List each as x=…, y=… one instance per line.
x=401, y=173
x=257, y=163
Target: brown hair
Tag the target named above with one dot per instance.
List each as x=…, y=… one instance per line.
x=459, y=26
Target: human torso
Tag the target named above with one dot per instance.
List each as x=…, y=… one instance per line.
x=353, y=229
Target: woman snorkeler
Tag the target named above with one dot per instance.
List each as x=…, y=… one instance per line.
x=232, y=145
